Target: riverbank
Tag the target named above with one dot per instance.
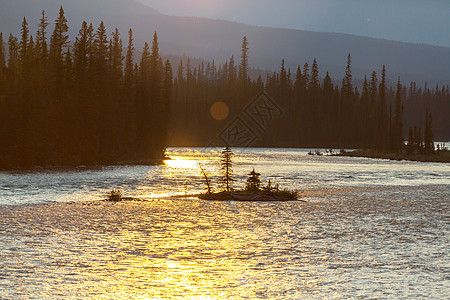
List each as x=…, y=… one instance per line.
x=442, y=156
x=93, y=166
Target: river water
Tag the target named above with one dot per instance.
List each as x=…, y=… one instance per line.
x=367, y=229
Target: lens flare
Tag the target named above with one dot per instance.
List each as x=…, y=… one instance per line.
x=220, y=111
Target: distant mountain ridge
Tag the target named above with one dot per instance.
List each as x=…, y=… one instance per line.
x=218, y=39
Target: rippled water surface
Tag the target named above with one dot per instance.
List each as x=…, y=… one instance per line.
x=369, y=229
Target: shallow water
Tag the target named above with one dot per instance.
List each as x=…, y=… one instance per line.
x=370, y=229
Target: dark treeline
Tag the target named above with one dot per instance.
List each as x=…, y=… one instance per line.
x=80, y=102
x=317, y=112
x=87, y=101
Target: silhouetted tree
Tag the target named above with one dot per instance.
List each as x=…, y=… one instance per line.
x=129, y=61
x=58, y=41
x=383, y=122
x=253, y=181
x=227, y=168
x=2, y=53
x=398, y=120
x=243, y=67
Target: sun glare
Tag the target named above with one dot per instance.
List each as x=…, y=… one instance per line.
x=181, y=163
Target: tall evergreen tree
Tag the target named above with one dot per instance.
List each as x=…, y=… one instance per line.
x=155, y=71
x=24, y=51
x=13, y=53
x=398, y=119
x=59, y=38
x=41, y=39
x=253, y=182
x=2, y=68
x=347, y=88
x=227, y=168
x=116, y=58
x=82, y=50
x=180, y=72
x=58, y=41
x=129, y=60
x=306, y=76
x=100, y=55
x=2, y=53
x=382, y=136
x=314, y=83
x=243, y=67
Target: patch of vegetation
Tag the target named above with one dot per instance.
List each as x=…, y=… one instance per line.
x=252, y=191
x=114, y=195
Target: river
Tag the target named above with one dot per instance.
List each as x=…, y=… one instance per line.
x=368, y=229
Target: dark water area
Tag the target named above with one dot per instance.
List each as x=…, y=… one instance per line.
x=369, y=230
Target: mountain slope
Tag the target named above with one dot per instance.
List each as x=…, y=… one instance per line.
x=216, y=39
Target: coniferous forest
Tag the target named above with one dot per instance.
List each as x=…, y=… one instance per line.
x=317, y=112
x=80, y=102
x=90, y=100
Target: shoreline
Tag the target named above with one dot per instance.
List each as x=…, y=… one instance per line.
x=442, y=156
x=147, y=162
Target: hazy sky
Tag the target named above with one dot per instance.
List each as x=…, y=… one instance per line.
x=418, y=21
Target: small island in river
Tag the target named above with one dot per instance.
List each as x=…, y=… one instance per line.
x=253, y=190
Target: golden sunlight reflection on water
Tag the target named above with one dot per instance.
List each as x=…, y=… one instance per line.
x=347, y=248
x=182, y=163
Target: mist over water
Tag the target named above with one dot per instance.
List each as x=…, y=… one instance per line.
x=369, y=228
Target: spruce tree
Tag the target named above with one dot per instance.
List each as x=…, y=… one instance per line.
x=2, y=69
x=82, y=48
x=24, y=53
x=13, y=57
x=2, y=53
x=58, y=41
x=227, y=168
x=180, y=72
x=231, y=72
x=314, y=83
x=129, y=61
x=382, y=135
x=41, y=39
x=155, y=72
x=116, y=60
x=306, y=74
x=347, y=88
x=398, y=119
x=253, y=182
x=365, y=114
x=143, y=108
x=243, y=67
x=100, y=55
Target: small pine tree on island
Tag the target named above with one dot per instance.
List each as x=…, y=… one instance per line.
x=253, y=182
x=252, y=191
x=226, y=168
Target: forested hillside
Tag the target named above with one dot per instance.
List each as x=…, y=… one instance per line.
x=219, y=39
